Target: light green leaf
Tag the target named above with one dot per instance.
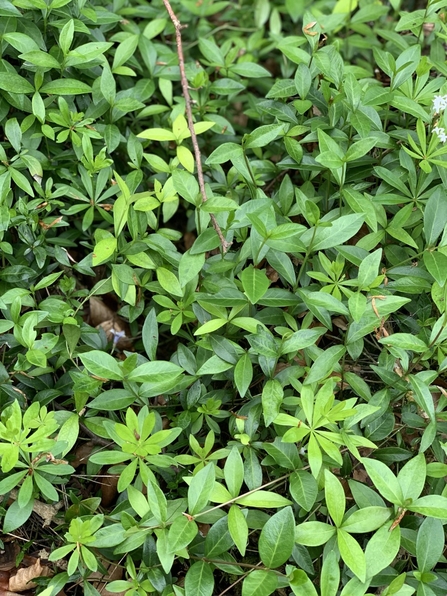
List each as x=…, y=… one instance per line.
x=412, y=477
x=335, y=497
x=255, y=283
x=382, y=549
x=263, y=498
x=102, y=365
x=103, y=250
x=181, y=533
x=330, y=575
x=314, y=533
x=431, y=506
x=234, y=472
x=352, y=554
x=237, y=525
x=384, y=480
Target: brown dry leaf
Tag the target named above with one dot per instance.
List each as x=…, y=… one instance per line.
x=188, y=239
x=82, y=453
x=99, y=312
x=108, y=489
x=114, y=327
x=22, y=580
x=340, y=322
x=272, y=274
x=360, y=475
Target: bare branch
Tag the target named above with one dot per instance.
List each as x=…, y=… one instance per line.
x=185, y=88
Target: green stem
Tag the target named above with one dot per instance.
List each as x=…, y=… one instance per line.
x=306, y=258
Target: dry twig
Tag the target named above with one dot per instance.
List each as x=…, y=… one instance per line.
x=185, y=88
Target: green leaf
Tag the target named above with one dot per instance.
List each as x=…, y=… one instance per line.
x=314, y=533
x=405, y=341
x=218, y=540
x=115, y=399
x=16, y=516
x=431, y=506
x=243, y=374
x=254, y=283
x=169, y=282
x=330, y=575
x=436, y=264
x=360, y=148
x=250, y=70
x=234, y=472
x=335, y=497
x=324, y=364
x=206, y=241
x=41, y=59
x=301, y=339
x=435, y=216
x=304, y=489
x=181, y=533
x=429, y=543
x=238, y=528
x=138, y=501
x=102, y=365
x=190, y=266
x=187, y=186
x=272, y=396
x=200, y=489
x=366, y=519
x=382, y=549
x=412, y=477
x=157, y=134
x=259, y=583
x=369, y=269
x=264, y=498
x=352, y=554
x=277, y=538
x=155, y=372
x=150, y=334
x=384, y=480
x=341, y=230
x=14, y=83
x=263, y=135
x=104, y=250
x=65, y=87
x=199, y=580
x=423, y=396
x=225, y=152
x=157, y=502
x=301, y=584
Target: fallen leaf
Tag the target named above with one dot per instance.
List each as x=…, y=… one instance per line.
x=23, y=579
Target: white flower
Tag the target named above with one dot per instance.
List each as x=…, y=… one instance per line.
x=442, y=136
x=439, y=103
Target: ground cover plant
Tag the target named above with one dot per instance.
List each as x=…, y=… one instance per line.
x=222, y=293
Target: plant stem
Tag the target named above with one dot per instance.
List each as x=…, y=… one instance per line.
x=185, y=89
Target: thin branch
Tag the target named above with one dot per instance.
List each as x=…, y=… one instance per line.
x=250, y=492
x=185, y=88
